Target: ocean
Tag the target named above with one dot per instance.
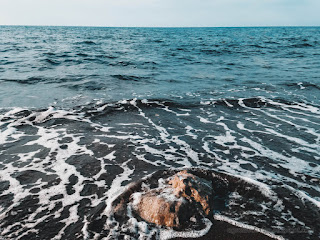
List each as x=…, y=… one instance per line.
x=85, y=111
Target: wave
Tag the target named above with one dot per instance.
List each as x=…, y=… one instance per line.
x=262, y=102
x=129, y=77
x=301, y=45
x=302, y=85
x=48, y=80
x=216, y=51
x=178, y=108
x=87, y=42
x=52, y=62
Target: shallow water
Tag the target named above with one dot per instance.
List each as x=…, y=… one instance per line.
x=85, y=111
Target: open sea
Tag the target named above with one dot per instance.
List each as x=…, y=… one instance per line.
x=85, y=111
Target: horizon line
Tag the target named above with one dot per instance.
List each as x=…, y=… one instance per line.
x=246, y=26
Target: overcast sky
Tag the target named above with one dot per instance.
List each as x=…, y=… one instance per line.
x=150, y=13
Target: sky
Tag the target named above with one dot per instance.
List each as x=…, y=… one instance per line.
x=160, y=13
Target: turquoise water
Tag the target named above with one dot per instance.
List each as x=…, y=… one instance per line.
x=41, y=66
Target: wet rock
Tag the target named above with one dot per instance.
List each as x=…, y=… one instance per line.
x=119, y=205
x=162, y=209
x=193, y=188
x=165, y=198
x=180, y=197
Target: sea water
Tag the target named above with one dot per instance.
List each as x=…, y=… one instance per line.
x=85, y=111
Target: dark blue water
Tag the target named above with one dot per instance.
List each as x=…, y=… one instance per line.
x=84, y=111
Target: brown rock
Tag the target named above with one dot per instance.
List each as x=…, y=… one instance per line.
x=175, y=202
x=192, y=188
x=162, y=209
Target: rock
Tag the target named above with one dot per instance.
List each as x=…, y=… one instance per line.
x=192, y=188
x=165, y=198
x=172, y=204
x=119, y=205
x=156, y=207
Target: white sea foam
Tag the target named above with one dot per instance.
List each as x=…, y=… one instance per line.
x=190, y=132
x=264, y=189
x=303, y=196
x=166, y=234
x=116, y=189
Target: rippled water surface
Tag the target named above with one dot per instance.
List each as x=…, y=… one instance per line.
x=85, y=111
